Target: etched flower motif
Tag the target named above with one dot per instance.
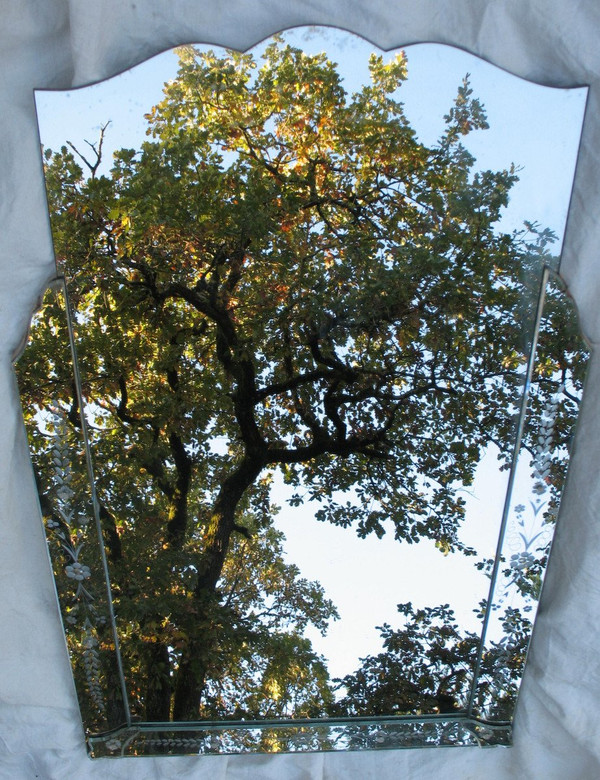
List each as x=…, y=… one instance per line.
x=89, y=642
x=77, y=571
x=301, y=740
x=52, y=523
x=113, y=744
x=521, y=561
x=65, y=493
x=520, y=508
x=539, y=487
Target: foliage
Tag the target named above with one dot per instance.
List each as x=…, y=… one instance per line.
x=282, y=280
x=428, y=666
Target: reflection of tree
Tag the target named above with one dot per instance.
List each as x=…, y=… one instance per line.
x=427, y=666
x=283, y=278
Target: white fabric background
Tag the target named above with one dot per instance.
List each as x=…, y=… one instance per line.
x=57, y=43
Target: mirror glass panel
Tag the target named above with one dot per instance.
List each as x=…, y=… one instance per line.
x=301, y=399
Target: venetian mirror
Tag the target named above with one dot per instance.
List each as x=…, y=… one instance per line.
x=301, y=398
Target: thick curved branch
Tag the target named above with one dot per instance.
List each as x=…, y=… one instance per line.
x=233, y=356
x=277, y=388
x=178, y=510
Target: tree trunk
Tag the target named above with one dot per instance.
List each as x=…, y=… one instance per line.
x=194, y=662
x=158, y=683
x=190, y=681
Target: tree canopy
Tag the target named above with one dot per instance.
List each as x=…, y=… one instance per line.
x=282, y=279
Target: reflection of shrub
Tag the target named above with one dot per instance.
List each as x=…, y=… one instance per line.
x=428, y=667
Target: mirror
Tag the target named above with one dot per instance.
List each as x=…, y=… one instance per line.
x=301, y=398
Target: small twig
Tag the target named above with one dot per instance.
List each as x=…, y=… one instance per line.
x=96, y=148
